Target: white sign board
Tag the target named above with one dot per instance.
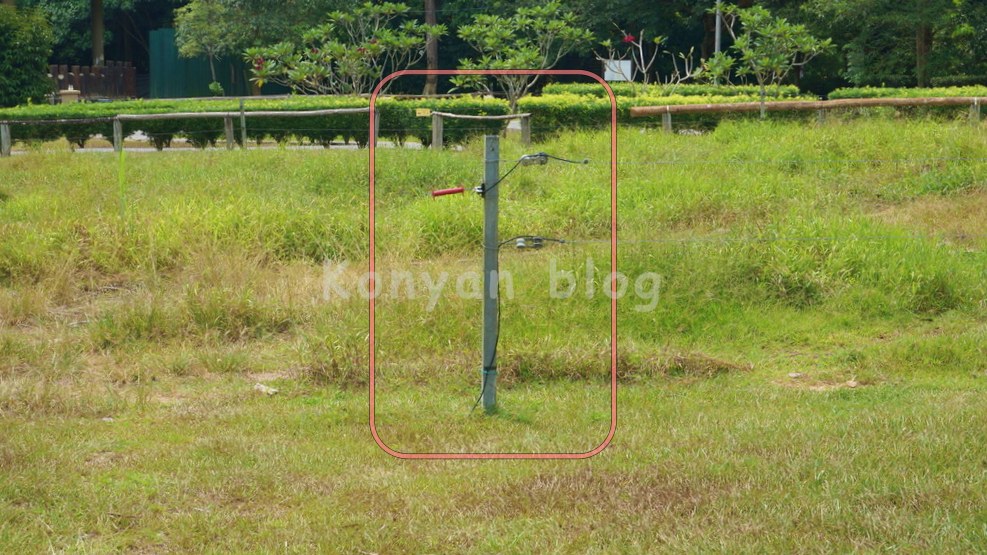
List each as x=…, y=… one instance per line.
x=617, y=70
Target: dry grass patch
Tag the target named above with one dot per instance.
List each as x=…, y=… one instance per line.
x=644, y=493
x=633, y=364
x=960, y=218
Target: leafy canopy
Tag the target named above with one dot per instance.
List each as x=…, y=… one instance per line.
x=532, y=38
x=770, y=47
x=349, y=54
x=25, y=44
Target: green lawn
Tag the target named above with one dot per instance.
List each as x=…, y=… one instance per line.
x=813, y=376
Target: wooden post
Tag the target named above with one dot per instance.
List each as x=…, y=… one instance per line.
x=5, y=143
x=666, y=122
x=243, y=127
x=975, y=111
x=821, y=117
x=117, y=135
x=526, y=130
x=437, y=131
x=228, y=130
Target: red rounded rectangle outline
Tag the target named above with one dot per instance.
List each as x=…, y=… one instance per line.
x=613, y=266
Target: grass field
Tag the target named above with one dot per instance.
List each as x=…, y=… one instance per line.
x=812, y=378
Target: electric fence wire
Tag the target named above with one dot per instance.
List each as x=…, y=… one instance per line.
x=485, y=190
x=488, y=365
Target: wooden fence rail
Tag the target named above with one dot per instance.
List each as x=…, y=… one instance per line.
x=821, y=106
x=227, y=117
x=438, y=126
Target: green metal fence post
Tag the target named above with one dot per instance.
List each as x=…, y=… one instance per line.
x=491, y=277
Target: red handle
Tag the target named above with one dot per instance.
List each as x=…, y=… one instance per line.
x=453, y=191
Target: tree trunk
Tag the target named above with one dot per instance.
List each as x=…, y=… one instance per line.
x=98, y=30
x=431, y=49
x=923, y=46
x=709, y=36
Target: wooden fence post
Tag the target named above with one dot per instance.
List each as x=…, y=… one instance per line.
x=526, y=130
x=437, y=131
x=821, y=116
x=117, y=135
x=666, y=122
x=5, y=143
x=975, y=111
x=228, y=130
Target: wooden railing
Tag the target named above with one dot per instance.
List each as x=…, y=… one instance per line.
x=6, y=142
x=820, y=106
x=438, y=126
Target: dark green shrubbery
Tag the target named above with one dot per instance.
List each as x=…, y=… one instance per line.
x=398, y=120
x=25, y=44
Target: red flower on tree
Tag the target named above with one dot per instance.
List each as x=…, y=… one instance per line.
x=629, y=38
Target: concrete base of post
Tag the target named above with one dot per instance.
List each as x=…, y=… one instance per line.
x=437, y=131
x=117, y=135
x=228, y=132
x=489, y=380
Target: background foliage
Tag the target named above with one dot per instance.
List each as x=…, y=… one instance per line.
x=25, y=44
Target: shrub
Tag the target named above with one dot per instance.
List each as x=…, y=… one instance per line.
x=25, y=45
x=959, y=80
x=398, y=120
x=891, y=92
x=630, y=89
x=568, y=111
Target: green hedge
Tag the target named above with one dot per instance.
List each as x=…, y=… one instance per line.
x=650, y=91
x=959, y=80
x=398, y=120
x=890, y=92
x=570, y=111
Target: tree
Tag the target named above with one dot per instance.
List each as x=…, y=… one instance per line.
x=202, y=29
x=98, y=32
x=347, y=55
x=431, y=49
x=770, y=47
x=897, y=42
x=533, y=38
x=125, y=32
x=642, y=54
x=25, y=44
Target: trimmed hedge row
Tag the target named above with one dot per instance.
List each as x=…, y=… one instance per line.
x=550, y=113
x=652, y=91
x=890, y=92
x=398, y=120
